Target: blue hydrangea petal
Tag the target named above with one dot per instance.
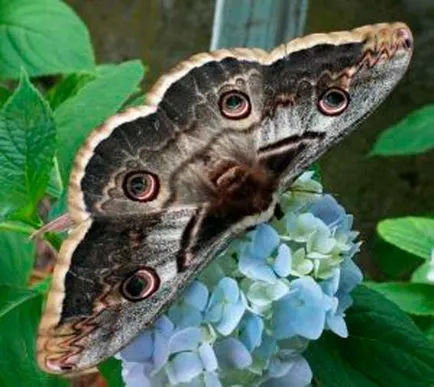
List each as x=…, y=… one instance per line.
x=328, y=210
x=282, y=264
x=345, y=301
x=207, y=379
x=312, y=310
x=232, y=314
x=217, y=296
x=196, y=382
x=351, y=276
x=278, y=368
x=135, y=376
x=301, y=311
x=187, y=339
x=208, y=357
x=164, y=326
x=265, y=239
x=214, y=313
x=212, y=380
x=251, y=333
x=281, y=322
x=161, y=351
x=267, y=348
x=184, y=367
x=197, y=295
x=256, y=270
x=230, y=289
x=185, y=315
x=140, y=349
x=336, y=323
x=299, y=375
x=231, y=353
x=330, y=286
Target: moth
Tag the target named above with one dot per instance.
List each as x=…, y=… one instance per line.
x=158, y=190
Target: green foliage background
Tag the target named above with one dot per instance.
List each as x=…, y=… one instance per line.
x=41, y=127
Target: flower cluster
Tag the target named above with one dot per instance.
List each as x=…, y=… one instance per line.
x=251, y=314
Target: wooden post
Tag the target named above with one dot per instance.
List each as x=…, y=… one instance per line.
x=257, y=23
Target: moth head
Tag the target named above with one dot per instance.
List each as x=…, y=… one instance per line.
x=323, y=85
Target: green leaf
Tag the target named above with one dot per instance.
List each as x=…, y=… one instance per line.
x=330, y=367
x=43, y=286
x=68, y=87
x=385, y=348
x=20, y=311
x=27, y=141
x=394, y=262
x=4, y=95
x=55, y=185
x=412, y=298
x=429, y=332
x=111, y=370
x=412, y=234
x=134, y=101
x=424, y=273
x=11, y=298
x=413, y=135
x=16, y=259
x=92, y=105
x=43, y=37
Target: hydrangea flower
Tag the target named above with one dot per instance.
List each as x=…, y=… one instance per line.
x=226, y=306
x=250, y=316
x=264, y=258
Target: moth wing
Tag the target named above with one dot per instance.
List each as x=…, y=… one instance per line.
x=91, y=312
x=171, y=237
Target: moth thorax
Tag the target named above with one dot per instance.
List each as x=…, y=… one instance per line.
x=242, y=188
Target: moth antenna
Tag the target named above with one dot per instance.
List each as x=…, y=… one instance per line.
x=61, y=223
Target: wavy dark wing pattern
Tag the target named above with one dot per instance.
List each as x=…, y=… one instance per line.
x=158, y=190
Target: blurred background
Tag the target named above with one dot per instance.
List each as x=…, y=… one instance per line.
x=163, y=32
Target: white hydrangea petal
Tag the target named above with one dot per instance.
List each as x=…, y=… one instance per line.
x=257, y=294
x=277, y=290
